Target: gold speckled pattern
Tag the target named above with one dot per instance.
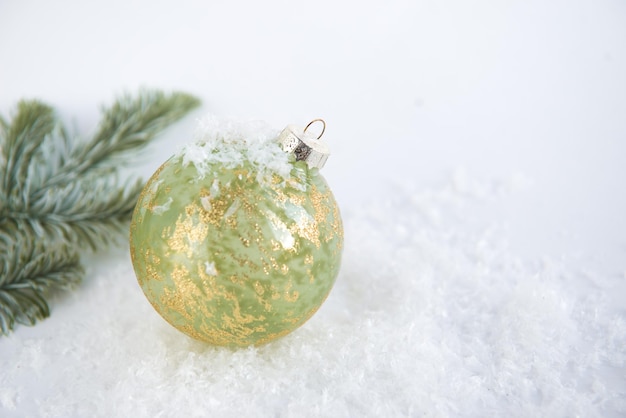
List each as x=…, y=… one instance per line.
x=231, y=261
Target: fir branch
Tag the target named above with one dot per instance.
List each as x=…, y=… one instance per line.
x=29, y=272
x=21, y=141
x=58, y=196
x=62, y=194
x=129, y=124
x=94, y=212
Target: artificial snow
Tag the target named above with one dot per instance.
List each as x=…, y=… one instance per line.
x=432, y=315
x=159, y=210
x=232, y=143
x=209, y=268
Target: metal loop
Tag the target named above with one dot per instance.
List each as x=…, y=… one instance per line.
x=317, y=120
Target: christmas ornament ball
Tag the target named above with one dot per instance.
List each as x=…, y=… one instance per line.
x=233, y=240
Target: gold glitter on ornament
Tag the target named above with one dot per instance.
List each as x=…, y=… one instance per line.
x=234, y=248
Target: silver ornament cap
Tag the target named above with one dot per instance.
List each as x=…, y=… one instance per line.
x=304, y=145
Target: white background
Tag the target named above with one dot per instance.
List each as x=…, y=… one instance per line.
x=410, y=89
x=529, y=96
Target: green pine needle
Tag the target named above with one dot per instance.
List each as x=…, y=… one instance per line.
x=29, y=273
x=58, y=195
x=21, y=140
x=128, y=125
x=95, y=212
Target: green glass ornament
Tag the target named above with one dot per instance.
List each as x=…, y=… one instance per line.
x=237, y=239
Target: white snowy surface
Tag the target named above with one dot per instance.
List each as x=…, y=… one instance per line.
x=479, y=158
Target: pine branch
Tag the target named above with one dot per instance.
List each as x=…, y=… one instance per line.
x=94, y=212
x=62, y=194
x=129, y=124
x=21, y=141
x=58, y=196
x=29, y=272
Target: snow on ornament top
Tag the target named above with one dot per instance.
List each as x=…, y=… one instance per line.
x=233, y=144
x=237, y=239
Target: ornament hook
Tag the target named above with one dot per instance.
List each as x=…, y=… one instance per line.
x=317, y=120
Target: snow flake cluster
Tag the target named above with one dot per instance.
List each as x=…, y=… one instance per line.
x=232, y=144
